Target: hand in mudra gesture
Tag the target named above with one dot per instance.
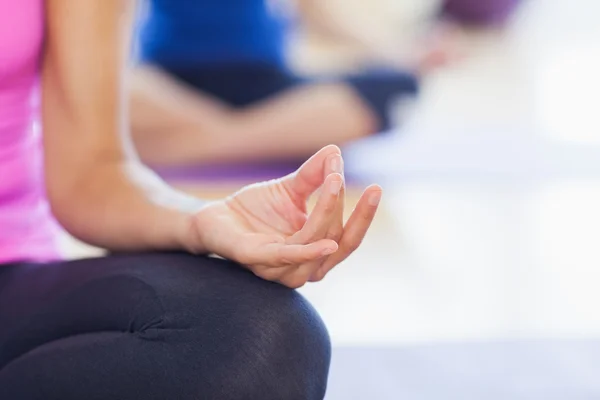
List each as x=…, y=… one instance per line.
x=266, y=226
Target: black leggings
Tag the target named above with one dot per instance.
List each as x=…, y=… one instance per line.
x=244, y=84
x=156, y=326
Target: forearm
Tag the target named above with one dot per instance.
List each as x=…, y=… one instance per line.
x=122, y=206
x=97, y=189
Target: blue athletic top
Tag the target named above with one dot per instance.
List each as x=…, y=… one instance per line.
x=190, y=32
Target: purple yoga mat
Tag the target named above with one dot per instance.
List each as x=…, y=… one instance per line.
x=480, y=12
x=228, y=173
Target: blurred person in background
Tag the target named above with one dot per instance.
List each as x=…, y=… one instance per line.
x=161, y=319
x=213, y=84
x=349, y=35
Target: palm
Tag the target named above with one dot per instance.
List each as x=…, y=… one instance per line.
x=270, y=208
x=266, y=226
x=260, y=214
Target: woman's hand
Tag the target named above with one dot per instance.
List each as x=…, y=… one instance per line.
x=266, y=227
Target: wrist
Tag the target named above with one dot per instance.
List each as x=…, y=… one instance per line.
x=188, y=234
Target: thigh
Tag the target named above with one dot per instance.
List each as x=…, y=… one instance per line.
x=238, y=84
x=40, y=303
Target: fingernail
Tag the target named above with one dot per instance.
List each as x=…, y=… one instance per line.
x=375, y=198
x=328, y=251
x=336, y=164
x=336, y=186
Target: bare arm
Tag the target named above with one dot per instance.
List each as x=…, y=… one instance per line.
x=102, y=195
x=98, y=190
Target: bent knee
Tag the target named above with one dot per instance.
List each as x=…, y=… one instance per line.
x=280, y=350
x=268, y=340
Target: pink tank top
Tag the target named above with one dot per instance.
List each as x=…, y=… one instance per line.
x=27, y=229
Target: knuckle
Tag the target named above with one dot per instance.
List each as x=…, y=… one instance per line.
x=294, y=281
x=317, y=276
x=334, y=234
x=352, y=245
x=284, y=256
x=310, y=232
x=305, y=259
x=368, y=213
x=312, y=255
x=329, y=206
x=269, y=274
x=283, y=260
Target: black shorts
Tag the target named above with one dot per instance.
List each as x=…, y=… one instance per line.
x=243, y=84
